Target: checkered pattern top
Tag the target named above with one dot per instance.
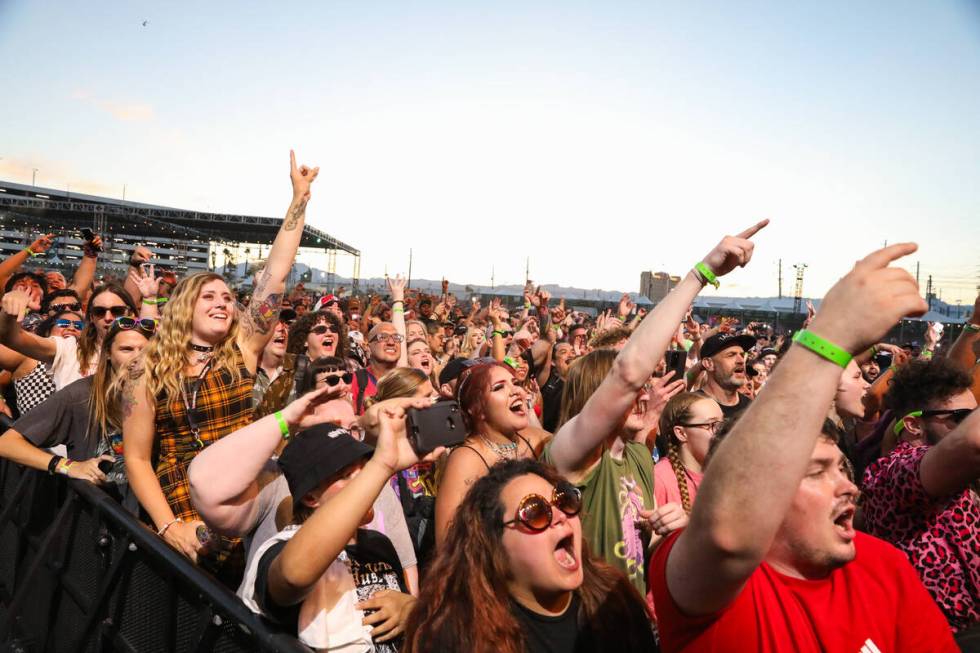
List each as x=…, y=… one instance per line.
x=33, y=388
x=222, y=407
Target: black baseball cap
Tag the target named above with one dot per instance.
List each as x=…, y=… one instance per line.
x=316, y=454
x=722, y=341
x=453, y=369
x=768, y=351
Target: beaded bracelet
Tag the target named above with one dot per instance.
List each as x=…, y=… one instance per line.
x=163, y=530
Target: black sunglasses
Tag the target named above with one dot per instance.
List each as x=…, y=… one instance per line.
x=534, y=511
x=75, y=306
x=333, y=379
x=956, y=415
x=98, y=312
x=64, y=324
x=320, y=329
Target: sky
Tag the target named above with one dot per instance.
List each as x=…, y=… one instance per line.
x=597, y=139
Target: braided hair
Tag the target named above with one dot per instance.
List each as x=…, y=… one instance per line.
x=676, y=413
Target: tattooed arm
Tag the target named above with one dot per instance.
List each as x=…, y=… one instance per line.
x=259, y=319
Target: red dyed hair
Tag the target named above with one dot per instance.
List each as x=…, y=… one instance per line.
x=471, y=392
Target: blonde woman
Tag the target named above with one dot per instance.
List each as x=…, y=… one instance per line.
x=472, y=343
x=194, y=383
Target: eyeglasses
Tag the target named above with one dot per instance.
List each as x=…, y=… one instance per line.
x=955, y=415
x=98, y=312
x=74, y=306
x=146, y=324
x=387, y=337
x=534, y=511
x=333, y=379
x=714, y=427
x=320, y=329
x=64, y=324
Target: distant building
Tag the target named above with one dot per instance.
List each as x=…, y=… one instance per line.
x=656, y=285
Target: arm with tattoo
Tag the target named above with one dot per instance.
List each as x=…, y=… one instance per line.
x=260, y=317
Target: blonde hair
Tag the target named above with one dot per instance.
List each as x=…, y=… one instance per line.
x=165, y=357
x=107, y=383
x=676, y=412
x=585, y=375
x=399, y=382
x=466, y=350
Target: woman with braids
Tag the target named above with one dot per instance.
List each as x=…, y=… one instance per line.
x=688, y=424
x=85, y=417
x=69, y=359
x=193, y=385
x=514, y=575
x=495, y=412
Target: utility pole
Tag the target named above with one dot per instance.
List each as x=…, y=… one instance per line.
x=527, y=270
x=33, y=176
x=124, y=192
x=929, y=292
x=917, y=274
x=798, y=290
x=493, y=287
x=408, y=283
x=780, y=278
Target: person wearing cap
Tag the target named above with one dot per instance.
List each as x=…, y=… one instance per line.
x=331, y=304
x=768, y=356
x=338, y=585
x=723, y=359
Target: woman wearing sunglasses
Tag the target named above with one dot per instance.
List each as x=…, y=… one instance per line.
x=85, y=417
x=514, y=575
x=70, y=358
x=320, y=334
x=194, y=386
x=32, y=378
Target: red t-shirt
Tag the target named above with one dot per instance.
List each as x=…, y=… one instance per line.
x=370, y=389
x=873, y=604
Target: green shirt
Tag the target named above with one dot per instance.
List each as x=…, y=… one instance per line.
x=613, y=492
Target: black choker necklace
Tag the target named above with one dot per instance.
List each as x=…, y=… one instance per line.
x=204, y=352
x=202, y=348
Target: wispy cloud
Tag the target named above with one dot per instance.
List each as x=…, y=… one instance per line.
x=126, y=111
x=52, y=174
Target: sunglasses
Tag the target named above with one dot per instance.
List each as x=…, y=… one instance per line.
x=98, y=312
x=75, y=306
x=64, y=324
x=534, y=511
x=333, y=379
x=146, y=324
x=320, y=329
x=955, y=415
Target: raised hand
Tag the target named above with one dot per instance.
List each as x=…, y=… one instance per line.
x=396, y=287
x=661, y=390
x=445, y=286
x=625, y=307
x=42, y=244
x=869, y=300
x=91, y=248
x=733, y=251
x=666, y=519
x=15, y=303
x=393, y=449
x=302, y=414
x=302, y=178
x=932, y=336
x=148, y=283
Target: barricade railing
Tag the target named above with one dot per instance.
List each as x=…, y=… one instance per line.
x=79, y=573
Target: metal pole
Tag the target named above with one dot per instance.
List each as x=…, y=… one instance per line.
x=408, y=283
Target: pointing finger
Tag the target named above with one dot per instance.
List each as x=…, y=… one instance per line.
x=292, y=160
x=754, y=229
x=886, y=255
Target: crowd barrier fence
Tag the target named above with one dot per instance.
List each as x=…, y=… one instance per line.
x=80, y=574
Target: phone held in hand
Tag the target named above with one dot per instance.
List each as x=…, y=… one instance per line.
x=89, y=237
x=677, y=361
x=440, y=425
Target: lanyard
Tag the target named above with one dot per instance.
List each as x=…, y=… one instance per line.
x=190, y=406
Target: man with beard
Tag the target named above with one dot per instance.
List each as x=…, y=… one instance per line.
x=723, y=358
x=270, y=365
x=920, y=497
x=551, y=391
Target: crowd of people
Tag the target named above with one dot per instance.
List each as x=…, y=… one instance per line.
x=635, y=481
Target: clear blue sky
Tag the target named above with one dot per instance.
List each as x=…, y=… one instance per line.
x=599, y=138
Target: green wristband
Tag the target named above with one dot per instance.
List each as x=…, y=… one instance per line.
x=31, y=252
x=510, y=361
x=498, y=333
x=974, y=328
x=822, y=347
x=706, y=274
x=283, y=426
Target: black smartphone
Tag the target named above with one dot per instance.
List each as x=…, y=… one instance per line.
x=105, y=466
x=677, y=361
x=884, y=360
x=440, y=425
x=88, y=234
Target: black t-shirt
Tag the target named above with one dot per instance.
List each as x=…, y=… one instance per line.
x=551, y=397
x=63, y=418
x=373, y=564
x=544, y=634
x=728, y=411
